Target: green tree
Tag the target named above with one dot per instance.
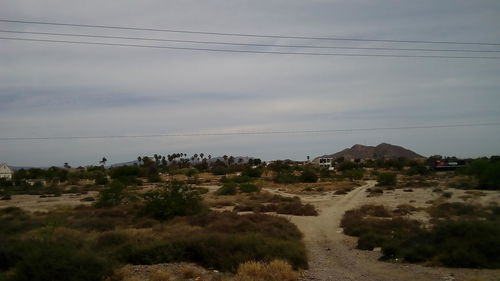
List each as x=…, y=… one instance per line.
x=112, y=195
x=308, y=175
x=103, y=161
x=174, y=199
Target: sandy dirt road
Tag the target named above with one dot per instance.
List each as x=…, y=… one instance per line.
x=332, y=255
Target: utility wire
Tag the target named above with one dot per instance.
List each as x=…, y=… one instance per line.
x=245, y=44
x=248, y=51
x=200, y=134
x=248, y=35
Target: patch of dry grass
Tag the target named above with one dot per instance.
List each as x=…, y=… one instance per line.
x=276, y=270
x=160, y=275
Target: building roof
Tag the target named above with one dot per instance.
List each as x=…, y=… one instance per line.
x=4, y=169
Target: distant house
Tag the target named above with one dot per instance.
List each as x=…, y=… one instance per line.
x=5, y=171
x=326, y=162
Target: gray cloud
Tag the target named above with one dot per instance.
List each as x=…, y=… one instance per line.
x=49, y=89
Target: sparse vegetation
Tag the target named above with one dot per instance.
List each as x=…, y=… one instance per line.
x=276, y=270
x=467, y=240
x=174, y=199
x=386, y=179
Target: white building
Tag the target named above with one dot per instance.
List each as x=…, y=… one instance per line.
x=5, y=171
x=326, y=163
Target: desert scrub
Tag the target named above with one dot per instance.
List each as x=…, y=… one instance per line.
x=386, y=179
x=218, y=250
x=229, y=222
x=229, y=188
x=374, y=226
x=295, y=208
x=221, y=241
x=47, y=260
x=276, y=270
x=175, y=199
x=469, y=240
x=471, y=244
x=458, y=211
x=249, y=188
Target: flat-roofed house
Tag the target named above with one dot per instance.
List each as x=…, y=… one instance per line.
x=5, y=171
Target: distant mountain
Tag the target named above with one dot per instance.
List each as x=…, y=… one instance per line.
x=381, y=151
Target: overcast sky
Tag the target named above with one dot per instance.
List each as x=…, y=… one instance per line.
x=55, y=89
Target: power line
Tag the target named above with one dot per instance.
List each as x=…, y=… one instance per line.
x=245, y=44
x=247, y=51
x=200, y=134
x=249, y=35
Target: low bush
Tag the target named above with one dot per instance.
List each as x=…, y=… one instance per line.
x=218, y=250
x=229, y=222
x=61, y=260
x=285, y=177
x=295, y=208
x=252, y=173
x=112, y=195
x=229, y=188
x=14, y=221
x=374, y=210
x=448, y=210
x=386, y=179
x=249, y=187
x=343, y=190
x=471, y=244
x=372, y=225
x=404, y=209
x=464, y=243
x=175, y=199
x=308, y=175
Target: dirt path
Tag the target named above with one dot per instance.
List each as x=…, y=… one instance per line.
x=332, y=255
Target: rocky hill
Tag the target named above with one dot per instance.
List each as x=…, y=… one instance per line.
x=383, y=150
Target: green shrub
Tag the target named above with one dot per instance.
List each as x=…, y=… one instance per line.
x=220, y=170
x=175, y=199
x=217, y=250
x=285, y=177
x=229, y=188
x=386, y=179
x=124, y=171
x=471, y=244
x=447, y=210
x=9, y=254
x=154, y=177
x=61, y=260
x=252, y=173
x=369, y=241
x=14, y=221
x=229, y=222
x=249, y=187
x=101, y=179
x=353, y=174
x=112, y=195
x=110, y=239
x=486, y=172
x=296, y=208
x=308, y=175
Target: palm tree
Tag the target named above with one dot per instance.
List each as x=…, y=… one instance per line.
x=103, y=161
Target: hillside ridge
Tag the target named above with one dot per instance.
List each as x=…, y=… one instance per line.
x=381, y=151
